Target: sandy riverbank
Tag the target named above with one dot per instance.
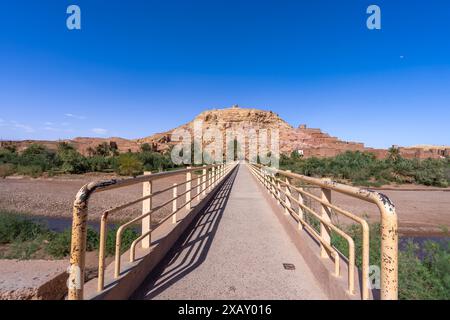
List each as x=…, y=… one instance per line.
x=421, y=210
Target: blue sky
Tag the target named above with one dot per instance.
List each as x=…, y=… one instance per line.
x=140, y=67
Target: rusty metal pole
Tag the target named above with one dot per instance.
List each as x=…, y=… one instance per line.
x=78, y=243
x=325, y=231
x=389, y=248
x=146, y=207
x=78, y=249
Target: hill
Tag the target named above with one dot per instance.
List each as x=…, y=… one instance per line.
x=308, y=141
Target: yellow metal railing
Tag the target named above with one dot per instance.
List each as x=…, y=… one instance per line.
x=278, y=183
x=206, y=182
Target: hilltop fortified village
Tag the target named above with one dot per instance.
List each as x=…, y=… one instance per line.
x=307, y=141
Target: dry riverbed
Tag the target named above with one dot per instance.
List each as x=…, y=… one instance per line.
x=421, y=210
x=53, y=197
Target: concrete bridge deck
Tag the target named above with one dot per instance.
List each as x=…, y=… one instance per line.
x=235, y=249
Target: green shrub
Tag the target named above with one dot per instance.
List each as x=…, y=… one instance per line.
x=355, y=232
x=37, y=159
x=59, y=244
x=24, y=250
x=37, y=155
x=99, y=163
x=71, y=160
x=428, y=278
x=30, y=170
x=25, y=237
x=128, y=164
x=128, y=236
x=7, y=169
x=424, y=280
x=17, y=228
x=154, y=161
x=8, y=156
x=363, y=169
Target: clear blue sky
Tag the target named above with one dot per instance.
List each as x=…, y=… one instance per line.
x=139, y=67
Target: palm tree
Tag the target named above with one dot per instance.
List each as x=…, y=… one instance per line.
x=394, y=154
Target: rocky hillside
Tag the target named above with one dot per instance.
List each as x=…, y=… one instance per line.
x=309, y=141
x=223, y=119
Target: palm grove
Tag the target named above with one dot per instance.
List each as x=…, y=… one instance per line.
x=359, y=168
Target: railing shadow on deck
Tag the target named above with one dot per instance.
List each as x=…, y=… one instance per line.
x=193, y=246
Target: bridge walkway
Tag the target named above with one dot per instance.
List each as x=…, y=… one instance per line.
x=235, y=249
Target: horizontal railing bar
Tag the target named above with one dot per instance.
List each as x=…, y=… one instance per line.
x=312, y=231
x=363, y=194
x=122, y=227
x=327, y=223
x=325, y=203
x=132, y=254
x=101, y=186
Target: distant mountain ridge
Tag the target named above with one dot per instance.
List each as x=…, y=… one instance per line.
x=309, y=141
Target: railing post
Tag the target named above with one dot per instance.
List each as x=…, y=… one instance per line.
x=78, y=250
x=101, y=253
x=198, y=188
x=208, y=180
x=270, y=184
x=174, y=204
x=204, y=176
x=301, y=215
x=325, y=231
x=146, y=207
x=188, y=189
x=213, y=179
x=277, y=189
x=288, y=200
x=263, y=176
x=389, y=248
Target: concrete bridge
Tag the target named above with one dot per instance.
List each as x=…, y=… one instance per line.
x=236, y=231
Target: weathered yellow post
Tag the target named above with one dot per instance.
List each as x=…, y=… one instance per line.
x=389, y=248
x=277, y=189
x=204, y=174
x=102, y=253
x=288, y=200
x=208, y=180
x=78, y=246
x=301, y=214
x=174, y=203
x=188, y=189
x=198, y=188
x=146, y=207
x=325, y=231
